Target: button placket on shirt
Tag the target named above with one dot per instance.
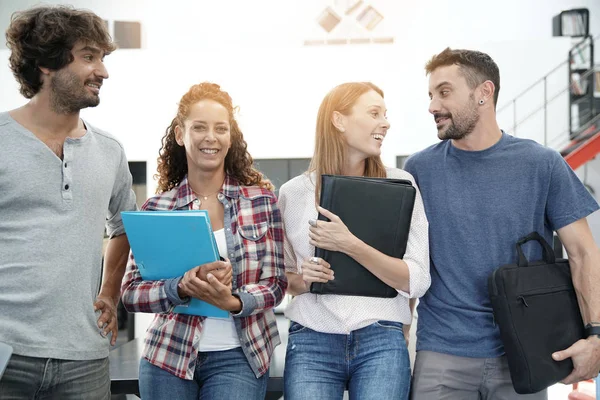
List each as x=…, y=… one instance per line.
x=67, y=175
x=228, y=236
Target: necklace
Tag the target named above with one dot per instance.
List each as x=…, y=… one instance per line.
x=205, y=197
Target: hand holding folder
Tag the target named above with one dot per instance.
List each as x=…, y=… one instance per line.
x=378, y=211
x=220, y=270
x=167, y=244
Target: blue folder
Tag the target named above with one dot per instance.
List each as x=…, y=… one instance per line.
x=5, y=352
x=167, y=244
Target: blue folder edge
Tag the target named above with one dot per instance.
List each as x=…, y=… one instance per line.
x=144, y=231
x=5, y=353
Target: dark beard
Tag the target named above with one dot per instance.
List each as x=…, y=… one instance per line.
x=68, y=95
x=461, y=123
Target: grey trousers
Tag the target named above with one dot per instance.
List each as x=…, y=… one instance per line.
x=440, y=376
x=28, y=378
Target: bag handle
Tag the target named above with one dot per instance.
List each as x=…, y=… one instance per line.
x=547, y=252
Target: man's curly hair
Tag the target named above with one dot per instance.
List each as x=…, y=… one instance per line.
x=44, y=37
x=172, y=161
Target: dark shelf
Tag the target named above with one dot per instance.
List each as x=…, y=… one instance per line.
x=587, y=105
x=573, y=23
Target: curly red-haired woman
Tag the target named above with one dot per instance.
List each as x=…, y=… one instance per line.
x=204, y=164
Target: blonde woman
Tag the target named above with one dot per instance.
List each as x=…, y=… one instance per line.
x=346, y=342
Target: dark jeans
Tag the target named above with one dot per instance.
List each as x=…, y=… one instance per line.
x=28, y=378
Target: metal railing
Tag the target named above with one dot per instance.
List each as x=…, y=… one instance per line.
x=558, y=98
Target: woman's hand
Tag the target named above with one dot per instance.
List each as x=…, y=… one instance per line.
x=316, y=269
x=212, y=290
x=332, y=235
x=220, y=269
x=211, y=283
x=218, y=294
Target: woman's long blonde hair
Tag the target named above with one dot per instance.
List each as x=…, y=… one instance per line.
x=330, y=144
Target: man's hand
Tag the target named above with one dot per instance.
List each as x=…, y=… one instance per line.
x=585, y=354
x=107, y=321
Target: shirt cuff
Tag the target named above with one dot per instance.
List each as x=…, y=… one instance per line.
x=171, y=291
x=114, y=231
x=249, y=304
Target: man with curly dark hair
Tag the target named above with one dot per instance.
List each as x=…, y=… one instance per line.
x=62, y=183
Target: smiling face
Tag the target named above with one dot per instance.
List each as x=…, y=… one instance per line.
x=365, y=127
x=206, y=136
x=77, y=85
x=453, y=104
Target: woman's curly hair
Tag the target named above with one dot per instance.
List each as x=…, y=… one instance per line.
x=172, y=161
x=44, y=37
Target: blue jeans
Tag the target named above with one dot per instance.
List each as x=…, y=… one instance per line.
x=218, y=375
x=372, y=363
x=49, y=378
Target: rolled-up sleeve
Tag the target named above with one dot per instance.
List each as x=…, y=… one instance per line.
x=138, y=295
x=417, y=250
x=122, y=199
x=289, y=256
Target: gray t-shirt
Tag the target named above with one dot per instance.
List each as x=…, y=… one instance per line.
x=53, y=214
x=479, y=203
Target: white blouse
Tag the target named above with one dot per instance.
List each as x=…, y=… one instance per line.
x=344, y=314
x=219, y=334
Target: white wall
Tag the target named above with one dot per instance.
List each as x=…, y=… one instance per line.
x=254, y=50
x=287, y=23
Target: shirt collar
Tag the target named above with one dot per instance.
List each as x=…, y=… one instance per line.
x=185, y=195
x=231, y=187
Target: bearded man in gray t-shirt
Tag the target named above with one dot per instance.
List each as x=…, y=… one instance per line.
x=62, y=183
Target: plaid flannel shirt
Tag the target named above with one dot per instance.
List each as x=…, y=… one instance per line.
x=253, y=225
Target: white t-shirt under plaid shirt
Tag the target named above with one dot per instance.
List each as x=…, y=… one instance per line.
x=344, y=314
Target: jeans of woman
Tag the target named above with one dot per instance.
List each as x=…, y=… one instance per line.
x=219, y=375
x=371, y=363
